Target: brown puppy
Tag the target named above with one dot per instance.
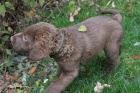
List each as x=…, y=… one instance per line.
x=70, y=48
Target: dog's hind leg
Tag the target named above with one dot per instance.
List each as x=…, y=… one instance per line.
x=112, y=51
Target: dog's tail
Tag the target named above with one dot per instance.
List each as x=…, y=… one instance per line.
x=117, y=15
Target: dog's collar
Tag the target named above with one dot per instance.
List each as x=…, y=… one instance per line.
x=61, y=45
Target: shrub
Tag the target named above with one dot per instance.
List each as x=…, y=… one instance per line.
x=15, y=15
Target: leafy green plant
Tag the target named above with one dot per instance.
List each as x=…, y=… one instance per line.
x=15, y=16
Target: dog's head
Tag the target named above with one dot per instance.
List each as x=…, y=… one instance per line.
x=35, y=40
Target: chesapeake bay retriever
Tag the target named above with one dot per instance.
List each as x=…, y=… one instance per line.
x=70, y=48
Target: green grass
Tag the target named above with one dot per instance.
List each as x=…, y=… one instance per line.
x=127, y=77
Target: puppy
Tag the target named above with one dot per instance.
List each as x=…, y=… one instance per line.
x=70, y=47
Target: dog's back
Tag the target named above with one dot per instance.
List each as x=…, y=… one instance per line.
x=101, y=31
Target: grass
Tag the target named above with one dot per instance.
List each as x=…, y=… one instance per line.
x=127, y=77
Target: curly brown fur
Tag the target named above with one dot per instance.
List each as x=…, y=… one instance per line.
x=43, y=39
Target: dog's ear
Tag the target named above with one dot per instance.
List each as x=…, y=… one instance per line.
x=40, y=47
x=38, y=52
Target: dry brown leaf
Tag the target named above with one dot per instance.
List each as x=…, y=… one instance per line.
x=75, y=13
x=6, y=76
x=11, y=90
x=128, y=7
x=3, y=85
x=14, y=77
x=32, y=70
x=32, y=12
x=136, y=57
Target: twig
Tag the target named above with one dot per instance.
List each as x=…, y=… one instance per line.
x=2, y=63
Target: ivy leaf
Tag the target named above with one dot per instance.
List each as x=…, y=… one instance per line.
x=33, y=3
x=5, y=38
x=9, y=5
x=26, y=1
x=5, y=32
x=20, y=67
x=8, y=52
x=41, y=2
x=82, y=28
x=2, y=9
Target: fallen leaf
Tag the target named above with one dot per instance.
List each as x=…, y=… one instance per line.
x=128, y=7
x=20, y=58
x=3, y=85
x=6, y=76
x=32, y=12
x=19, y=66
x=10, y=29
x=106, y=85
x=75, y=13
x=32, y=70
x=19, y=91
x=82, y=28
x=136, y=57
x=71, y=18
x=5, y=23
x=99, y=88
x=18, y=85
x=10, y=90
x=45, y=80
x=14, y=77
x=78, y=8
x=113, y=4
x=91, y=4
x=24, y=78
x=37, y=82
x=28, y=14
x=25, y=92
x=11, y=86
x=137, y=44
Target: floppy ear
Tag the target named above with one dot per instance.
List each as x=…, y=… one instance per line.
x=40, y=48
x=38, y=52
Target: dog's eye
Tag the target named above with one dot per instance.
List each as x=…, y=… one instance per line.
x=14, y=39
x=24, y=39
